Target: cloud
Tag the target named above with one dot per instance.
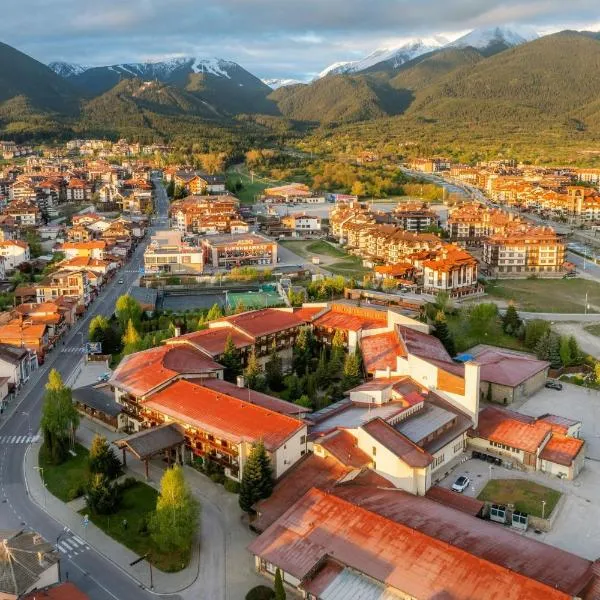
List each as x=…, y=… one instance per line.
x=277, y=38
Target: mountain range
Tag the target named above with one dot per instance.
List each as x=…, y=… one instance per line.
x=486, y=80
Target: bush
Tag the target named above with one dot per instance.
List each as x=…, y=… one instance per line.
x=217, y=478
x=232, y=486
x=127, y=483
x=76, y=491
x=260, y=592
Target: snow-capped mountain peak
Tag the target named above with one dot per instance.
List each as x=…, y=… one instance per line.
x=65, y=69
x=275, y=84
x=511, y=35
x=212, y=66
x=396, y=55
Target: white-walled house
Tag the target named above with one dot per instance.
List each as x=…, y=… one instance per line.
x=14, y=253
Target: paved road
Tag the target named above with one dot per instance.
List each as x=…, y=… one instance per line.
x=96, y=576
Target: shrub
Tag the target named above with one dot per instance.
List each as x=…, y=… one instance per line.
x=232, y=486
x=217, y=478
x=260, y=592
x=76, y=491
x=127, y=483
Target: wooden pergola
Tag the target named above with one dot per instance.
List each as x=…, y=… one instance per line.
x=148, y=443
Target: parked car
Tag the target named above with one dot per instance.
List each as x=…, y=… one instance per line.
x=461, y=484
x=104, y=377
x=121, y=281
x=553, y=385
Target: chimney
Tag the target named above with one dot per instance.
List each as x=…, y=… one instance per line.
x=472, y=380
x=241, y=382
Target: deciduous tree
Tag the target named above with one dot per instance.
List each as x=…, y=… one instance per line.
x=128, y=309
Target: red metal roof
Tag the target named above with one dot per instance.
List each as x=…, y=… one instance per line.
x=347, y=322
x=380, y=351
x=142, y=372
x=213, y=341
x=322, y=525
x=265, y=321
x=423, y=344
x=224, y=415
x=466, y=504
x=62, y=591
x=561, y=449
x=558, y=424
x=307, y=313
x=311, y=471
x=555, y=568
x=508, y=368
x=344, y=446
x=400, y=445
x=264, y=400
x=511, y=428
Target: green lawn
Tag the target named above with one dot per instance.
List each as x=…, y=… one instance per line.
x=526, y=495
x=139, y=501
x=325, y=249
x=465, y=338
x=63, y=481
x=250, y=189
x=593, y=329
x=349, y=267
x=547, y=295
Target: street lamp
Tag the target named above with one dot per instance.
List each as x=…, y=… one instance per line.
x=543, y=508
x=41, y=470
x=491, y=469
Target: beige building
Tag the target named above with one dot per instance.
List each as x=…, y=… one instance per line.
x=167, y=253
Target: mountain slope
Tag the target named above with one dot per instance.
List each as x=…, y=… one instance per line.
x=385, y=57
x=492, y=40
x=222, y=83
x=35, y=84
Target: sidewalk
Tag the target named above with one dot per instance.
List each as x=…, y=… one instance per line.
x=164, y=583
x=224, y=571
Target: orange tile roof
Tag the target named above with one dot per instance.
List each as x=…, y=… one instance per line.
x=511, y=428
x=562, y=450
x=62, y=591
x=141, y=372
x=223, y=415
x=322, y=524
x=98, y=244
x=308, y=313
x=345, y=318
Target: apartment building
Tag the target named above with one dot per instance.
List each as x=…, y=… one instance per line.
x=71, y=284
x=525, y=250
x=414, y=216
x=207, y=215
x=239, y=250
x=167, y=253
x=302, y=224
x=452, y=270
x=14, y=253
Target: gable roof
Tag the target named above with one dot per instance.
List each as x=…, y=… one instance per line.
x=141, y=372
x=508, y=368
x=321, y=525
x=223, y=414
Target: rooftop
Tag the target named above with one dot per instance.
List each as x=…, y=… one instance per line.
x=507, y=368
x=562, y=450
x=321, y=524
x=380, y=351
x=225, y=415
x=258, y=323
x=142, y=372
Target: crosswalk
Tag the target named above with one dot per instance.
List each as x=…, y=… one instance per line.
x=72, y=546
x=73, y=349
x=19, y=439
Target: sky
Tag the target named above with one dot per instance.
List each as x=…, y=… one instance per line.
x=270, y=38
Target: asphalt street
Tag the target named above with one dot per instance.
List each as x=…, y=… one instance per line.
x=96, y=576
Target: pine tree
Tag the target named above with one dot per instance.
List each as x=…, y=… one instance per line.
x=352, y=372
x=565, y=351
x=214, y=313
x=252, y=372
x=442, y=333
x=554, y=353
x=231, y=360
x=575, y=350
x=323, y=371
x=279, y=589
x=301, y=352
x=257, y=478
x=511, y=320
x=102, y=458
x=294, y=388
x=338, y=345
x=273, y=371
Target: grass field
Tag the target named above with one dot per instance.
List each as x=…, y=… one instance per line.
x=308, y=249
x=250, y=189
x=139, y=501
x=350, y=267
x=526, y=495
x=252, y=300
x=62, y=480
x=464, y=338
x=593, y=329
x=548, y=295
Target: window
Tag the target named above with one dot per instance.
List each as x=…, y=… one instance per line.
x=374, y=451
x=303, y=439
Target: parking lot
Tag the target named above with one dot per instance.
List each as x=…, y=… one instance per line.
x=577, y=525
